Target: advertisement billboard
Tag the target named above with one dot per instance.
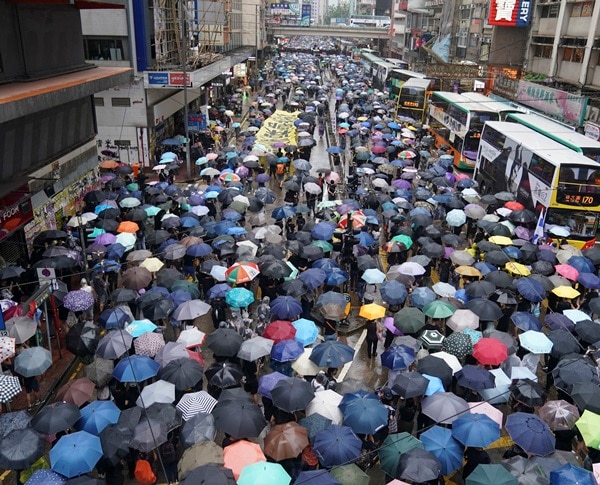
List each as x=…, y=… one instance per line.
x=305, y=19
x=554, y=102
x=510, y=13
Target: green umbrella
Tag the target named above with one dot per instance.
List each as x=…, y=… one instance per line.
x=350, y=475
x=324, y=245
x=588, y=425
x=439, y=309
x=393, y=447
x=486, y=474
x=152, y=210
x=264, y=472
x=403, y=239
x=409, y=320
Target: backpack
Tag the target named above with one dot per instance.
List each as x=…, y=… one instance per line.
x=144, y=474
x=168, y=452
x=280, y=169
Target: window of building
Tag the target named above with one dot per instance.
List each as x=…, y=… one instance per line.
x=462, y=40
x=573, y=54
x=473, y=40
x=121, y=102
x=98, y=101
x=582, y=9
x=465, y=14
x=103, y=49
x=550, y=11
x=544, y=51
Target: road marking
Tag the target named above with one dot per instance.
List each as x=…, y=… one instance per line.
x=347, y=366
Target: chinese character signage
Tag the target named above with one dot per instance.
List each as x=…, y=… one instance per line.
x=305, y=19
x=553, y=102
x=196, y=122
x=510, y=13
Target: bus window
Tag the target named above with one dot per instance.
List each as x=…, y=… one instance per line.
x=541, y=169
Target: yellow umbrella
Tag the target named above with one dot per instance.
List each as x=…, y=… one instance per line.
x=372, y=311
x=468, y=271
x=501, y=240
x=566, y=292
x=517, y=268
x=152, y=264
x=362, y=118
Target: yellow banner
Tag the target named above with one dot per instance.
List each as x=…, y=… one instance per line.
x=278, y=127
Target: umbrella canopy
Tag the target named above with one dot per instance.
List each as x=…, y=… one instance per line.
x=410, y=384
x=559, y=414
x=337, y=445
x=332, y=353
x=475, y=378
x=255, y=348
x=286, y=441
x=409, y=320
x=531, y=433
x=33, y=361
x=392, y=449
x=486, y=474
x=441, y=444
x=98, y=415
x=157, y=392
x=241, y=454
x=135, y=368
x=198, y=428
x=569, y=473
x=77, y=391
x=114, y=344
x=418, y=465
x=476, y=430
x=224, y=342
x=75, y=454
x=286, y=307
x=489, y=351
x=239, y=418
x=148, y=435
x=326, y=404
x=264, y=472
x=183, y=372
x=20, y=448
x=203, y=453
x=363, y=412
x=292, y=394
x=444, y=407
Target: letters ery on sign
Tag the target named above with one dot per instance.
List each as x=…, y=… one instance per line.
x=510, y=13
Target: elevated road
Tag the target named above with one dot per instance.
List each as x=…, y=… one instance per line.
x=329, y=30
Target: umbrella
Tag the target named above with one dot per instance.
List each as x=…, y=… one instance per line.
x=394, y=446
x=587, y=425
x=559, y=414
x=183, y=372
x=20, y=448
x=114, y=344
x=45, y=477
x=489, y=351
x=75, y=454
x=21, y=329
x=569, y=473
x=531, y=433
x=485, y=309
x=191, y=309
x=203, y=453
x=224, y=342
x=157, y=392
x=477, y=430
x=33, y=361
x=363, y=412
x=349, y=474
x=224, y=374
x=332, y=353
x=10, y=421
x=135, y=368
x=239, y=298
x=82, y=340
x=433, y=366
x=286, y=441
x=210, y=474
x=337, y=445
x=148, y=435
x=463, y=319
x=293, y=394
x=241, y=454
x=586, y=397
x=372, y=311
x=78, y=301
x=570, y=371
x=149, y=344
x=198, y=428
x=78, y=391
x=444, y=407
x=398, y=357
x=286, y=307
x=486, y=474
x=191, y=404
x=98, y=415
x=418, y=465
x=439, y=309
x=441, y=444
x=458, y=344
x=528, y=392
x=475, y=378
x=306, y=331
x=410, y=384
x=326, y=404
x=239, y=418
x=264, y=472
x=535, y=342
x=314, y=424
x=255, y=348
x=136, y=278
x=409, y=320
x=115, y=440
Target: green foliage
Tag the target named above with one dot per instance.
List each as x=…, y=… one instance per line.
x=342, y=10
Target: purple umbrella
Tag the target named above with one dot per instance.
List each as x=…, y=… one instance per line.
x=262, y=178
x=106, y=239
x=78, y=301
x=267, y=382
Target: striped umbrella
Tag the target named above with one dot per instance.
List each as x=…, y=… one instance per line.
x=196, y=402
x=242, y=272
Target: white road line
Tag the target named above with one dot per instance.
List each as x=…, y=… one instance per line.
x=346, y=367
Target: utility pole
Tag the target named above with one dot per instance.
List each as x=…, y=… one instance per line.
x=184, y=44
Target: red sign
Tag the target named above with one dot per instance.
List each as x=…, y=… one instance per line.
x=176, y=79
x=510, y=13
x=16, y=211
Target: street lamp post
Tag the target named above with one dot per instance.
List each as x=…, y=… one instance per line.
x=188, y=162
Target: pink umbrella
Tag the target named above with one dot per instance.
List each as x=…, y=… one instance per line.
x=487, y=409
x=567, y=271
x=332, y=177
x=378, y=149
x=389, y=324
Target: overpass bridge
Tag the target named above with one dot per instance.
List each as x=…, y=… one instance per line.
x=329, y=31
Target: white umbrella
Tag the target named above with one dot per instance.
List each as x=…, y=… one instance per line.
x=195, y=402
x=445, y=290
x=326, y=404
x=304, y=366
x=379, y=182
x=500, y=393
x=158, y=392
x=255, y=348
x=450, y=359
x=463, y=319
x=191, y=337
x=218, y=272
x=126, y=239
x=313, y=188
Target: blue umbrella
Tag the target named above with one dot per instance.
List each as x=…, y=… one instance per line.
x=569, y=473
x=97, y=415
x=337, y=445
x=199, y=250
x=323, y=231
x=326, y=264
x=179, y=296
x=589, y=280
x=75, y=454
x=287, y=350
x=484, y=268
x=221, y=227
x=218, y=291
x=332, y=353
x=139, y=327
x=531, y=433
x=236, y=231
x=512, y=252
x=135, y=368
x=526, y=321
x=336, y=277
x=315, y=423
x=239, y=297
x=267, y=382
x=283, y=212
x=474, y=429
x=45, y=477
x=393, y=292
x=422, y=296
x=188, y=222
x=313, y=477
x=115, y=251
x=364, y=239
x=334, y=150
x=440, y=443
x=364, y=414
x=112, y=318
x=530, y=289
x=435, y=385
x=398, y=357
x=313, y=277
x=159, y=289
x=582, y=264
x=306, y=331
x=231, y=215
x=286, y=307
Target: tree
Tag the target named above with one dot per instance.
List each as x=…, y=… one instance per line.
x=341, y=10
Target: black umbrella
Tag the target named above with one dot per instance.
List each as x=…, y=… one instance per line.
x=82, y=340
x=564, y=343
x=593, y=254
x=167, y=277
x=453, y=240
x=157, y=237
x=475, y=378
x=497, y=258
x=418, y=465
x=14, y=420
x=115, y=439
x=130, y=418
x=277, y=252
x=158, y=309
x=136, y=215
x=480, y=289
x=311, y=253
x=200, y=427
x=295, y=288
x=241, y=419
x=410, y=384
x=543, y=280
x=183, y=372
x=528, y=392
x=366, y=262
x=49, y=235
x=210, y=474
x=485, y=309
x=432, y=366
x=433, y=250
x=504, y=297
x=20, y=448
x=292, y=394
x=55, y=417
x=163, y=413
x=545, y=268
x=586, y=397
x=224, y=342
x=224, y=375
x=123, y=295
x=571, y=370
x=588, y=331
x=275, y=268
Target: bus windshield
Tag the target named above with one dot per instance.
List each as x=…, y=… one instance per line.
x=580, y=178
x=411, y=97
x=591, y=153
x=479, y=118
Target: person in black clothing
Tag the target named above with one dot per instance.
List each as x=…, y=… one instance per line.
x=372, y=338
x=218, y=311
x=474, y=457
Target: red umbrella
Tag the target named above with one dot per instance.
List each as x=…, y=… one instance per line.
x=567, y=271
x=514, y=206
x=378, y=149
x=280, y=330
x=197, y=356
x=490, y=351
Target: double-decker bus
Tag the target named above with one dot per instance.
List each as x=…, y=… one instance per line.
x=501, y=107
x=412, y=101
x=456, y=122
x=563, y=134
x=397, y=77
x=559, y=184
x=400, y=64
x=381, y=72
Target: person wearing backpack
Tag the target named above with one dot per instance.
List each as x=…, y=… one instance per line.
x=280, y=170
x=170, y=457
x=144, y=471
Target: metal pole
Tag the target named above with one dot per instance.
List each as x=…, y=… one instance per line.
x=257, y=8
x=188, y=162
x=47, y=327
x=80, y=230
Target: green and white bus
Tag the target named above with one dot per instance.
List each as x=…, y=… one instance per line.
x=563, y=134
x=502, y=108
x=412, y=101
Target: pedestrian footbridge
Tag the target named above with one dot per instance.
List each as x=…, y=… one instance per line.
x=330, y=31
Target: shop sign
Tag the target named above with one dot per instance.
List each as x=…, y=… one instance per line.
x=510, y=13
x=554, y=102
x=240, y=70
x=592, y=130
x=14, y=216
x=196, y=122
x=167, y=79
